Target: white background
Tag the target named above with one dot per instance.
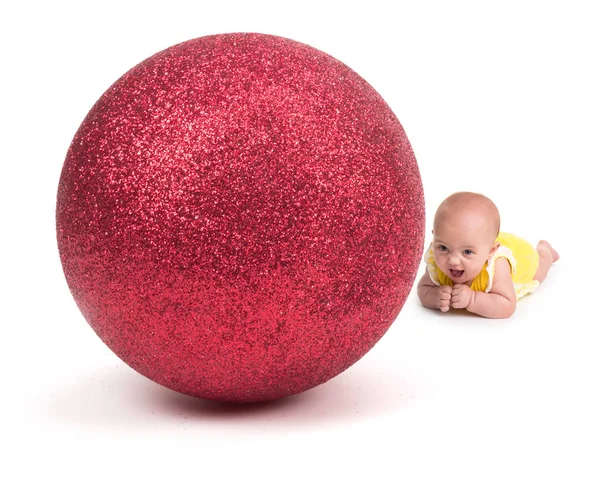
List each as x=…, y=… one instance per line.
x=497, y=97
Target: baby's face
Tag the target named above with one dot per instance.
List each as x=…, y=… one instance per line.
x=462, y=244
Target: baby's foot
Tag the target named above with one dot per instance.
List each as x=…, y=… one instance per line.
x=555, y=255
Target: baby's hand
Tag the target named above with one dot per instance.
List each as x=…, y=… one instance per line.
x=462, y=296
x=444, y=295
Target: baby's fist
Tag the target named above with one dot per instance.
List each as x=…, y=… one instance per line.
x=444, y=296
x=462, y=296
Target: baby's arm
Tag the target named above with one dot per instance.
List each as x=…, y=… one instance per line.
x=433, y=296
x=501, y=301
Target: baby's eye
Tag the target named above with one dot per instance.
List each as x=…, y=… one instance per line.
x=468, y=252
x=442, y=248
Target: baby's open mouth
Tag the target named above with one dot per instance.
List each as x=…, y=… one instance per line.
x=456, y=273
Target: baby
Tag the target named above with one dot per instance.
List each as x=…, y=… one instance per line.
x=472, y=265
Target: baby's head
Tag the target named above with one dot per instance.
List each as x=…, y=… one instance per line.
x=465, y=229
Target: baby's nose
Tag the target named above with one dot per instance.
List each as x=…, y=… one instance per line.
x=454, y=259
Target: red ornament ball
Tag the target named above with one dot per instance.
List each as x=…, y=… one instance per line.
x=240, y=217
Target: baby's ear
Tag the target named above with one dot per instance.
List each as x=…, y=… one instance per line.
x=493, y=250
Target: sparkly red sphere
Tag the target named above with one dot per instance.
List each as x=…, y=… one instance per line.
x=240, y=217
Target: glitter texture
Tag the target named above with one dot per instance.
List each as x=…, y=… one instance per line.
x=240, y=217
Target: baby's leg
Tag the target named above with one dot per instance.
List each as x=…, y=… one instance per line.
x=548, y=255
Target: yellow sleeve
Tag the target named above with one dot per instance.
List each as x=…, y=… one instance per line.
x=501, y=252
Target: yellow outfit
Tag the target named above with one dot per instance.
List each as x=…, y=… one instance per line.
x=523, y=259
